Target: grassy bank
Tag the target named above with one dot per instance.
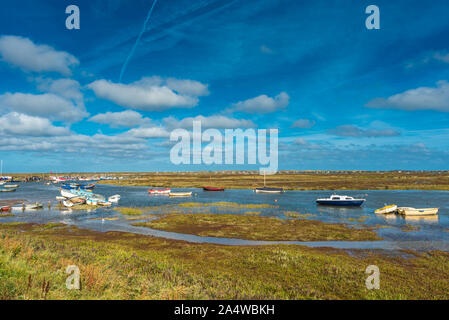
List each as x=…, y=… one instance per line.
x=252, y=227
x=114, y=265
x=295, y=181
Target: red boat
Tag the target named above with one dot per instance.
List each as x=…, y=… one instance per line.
x=5, y=209
x=159, y=191
x=213, y=189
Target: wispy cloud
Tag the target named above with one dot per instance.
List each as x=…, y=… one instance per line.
x=356, y=132
x=133, y=49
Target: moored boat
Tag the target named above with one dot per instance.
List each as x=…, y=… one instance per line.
x=268, y=190
x=92, y=202
x=213, y=189
x=68, y=203
x=5, y=209
x=336, y=200
x=180, y=194
x=407, y=211
x=159, y=191
x=387, y=209
x=81, y=193
x=7, y=189
x=114, y=198
x=11, y=186
x=32, y=206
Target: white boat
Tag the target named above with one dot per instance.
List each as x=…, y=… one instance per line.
x=67, y=194
x=180, y=194
x=68, y=203
x=336, y=200
x=32, y=206
x=81, y=193
x=92, y=202
x=407, y=211
x=159, y=191
x=387, y=209
x=60, y=198
x=114, y=198
x=11, y=186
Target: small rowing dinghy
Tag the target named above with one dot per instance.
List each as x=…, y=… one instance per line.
x=7, y=189
x=32, y=206
x=406, y=211
x=15, y=186
x=268, y=190
x=114, y=198
x=387, y=209
x=159, y=191
x=213, y=189
x=180, y=194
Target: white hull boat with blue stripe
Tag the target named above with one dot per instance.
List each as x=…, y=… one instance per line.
x=336, y=200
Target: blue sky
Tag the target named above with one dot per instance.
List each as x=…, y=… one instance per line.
x=343, y=97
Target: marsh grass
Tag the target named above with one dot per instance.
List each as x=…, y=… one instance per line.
x=314, y=180
x=130, y=211
x=294, y=214
x=223, y=204
x=252, y=227
x=116, y=265
x=361, y=219
x=5, y=215
x=256, y=213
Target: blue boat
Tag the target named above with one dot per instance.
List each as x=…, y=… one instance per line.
x=78, y=186
x=336, y=200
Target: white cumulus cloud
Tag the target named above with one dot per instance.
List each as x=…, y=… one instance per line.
x=127, y=119
x=28, y=56
x=151, y=94
x=23, y=125
x=423, y=98
x=263, y=104
x=216, y=121
x=46, y=105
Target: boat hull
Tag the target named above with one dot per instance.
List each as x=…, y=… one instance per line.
x=341, y=203
x=159, y=191
x=269, y=190
x=418, y=212
x=213, y=189
x=387, y=210
x=180, y=194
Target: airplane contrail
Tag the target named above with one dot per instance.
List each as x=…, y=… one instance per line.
x=137, y=41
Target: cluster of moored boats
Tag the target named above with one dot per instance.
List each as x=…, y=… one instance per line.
x=6, y=187
x=337, y=200
x=76, y=194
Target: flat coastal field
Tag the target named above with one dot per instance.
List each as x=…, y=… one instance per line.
x=294, y=181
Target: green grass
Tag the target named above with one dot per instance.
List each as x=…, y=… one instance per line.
x=116, y=265
x=130, y=211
